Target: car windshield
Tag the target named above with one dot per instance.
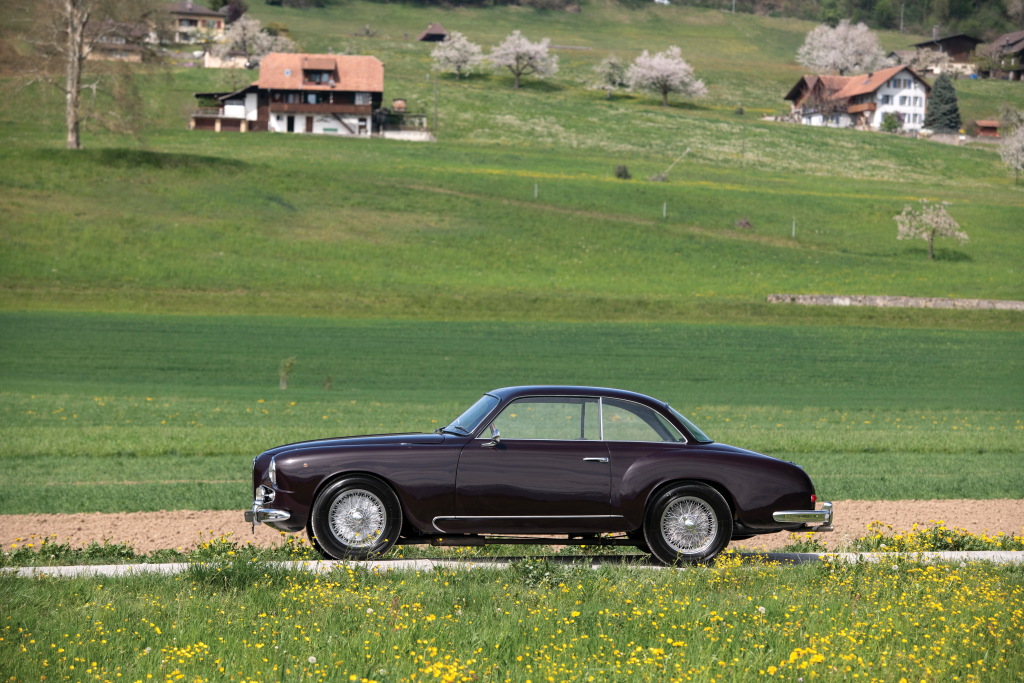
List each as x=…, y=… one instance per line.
x=695, y=432
x=469, y=420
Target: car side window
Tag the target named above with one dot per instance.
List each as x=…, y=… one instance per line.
x=628, y=421
x=549, y=418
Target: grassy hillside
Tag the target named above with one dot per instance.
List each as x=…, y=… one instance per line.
x=515, y=211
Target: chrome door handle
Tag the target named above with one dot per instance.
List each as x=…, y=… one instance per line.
x=595, y=459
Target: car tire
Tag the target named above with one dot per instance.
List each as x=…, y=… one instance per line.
x=687, y=523
x=355, y=518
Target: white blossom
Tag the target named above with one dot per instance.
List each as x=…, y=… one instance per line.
x=664, y=73
x=927, y=222
x=246, y=36
x=456, y=53
x=845, y=48
x=524, y=58
x=1011, y=149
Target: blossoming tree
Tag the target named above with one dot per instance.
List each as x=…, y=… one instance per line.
x=845, y=48
x=665, y=73
x=524, y=58
x=927, y=222
x=456, y=53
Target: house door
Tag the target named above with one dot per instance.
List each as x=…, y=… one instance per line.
x=309, y=124
x=291, y=124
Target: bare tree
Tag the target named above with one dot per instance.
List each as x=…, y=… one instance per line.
x=248, y=37
x=456, y=53
x=926, y=223
x=1011, y=149
x=664, y=73
x=524, y=58
x=845, y=48
x=62, y=34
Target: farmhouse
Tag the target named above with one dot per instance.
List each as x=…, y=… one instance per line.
x=1006, y=55
x=300, y=93
x=959, y=48
x=191, y=21
x=861, y=101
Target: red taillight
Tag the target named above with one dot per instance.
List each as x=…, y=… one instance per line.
x=814, y=499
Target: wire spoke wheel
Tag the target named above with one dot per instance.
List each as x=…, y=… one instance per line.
x=689, y=525
x=355, y=518
x=358, y=518
x=686, y=523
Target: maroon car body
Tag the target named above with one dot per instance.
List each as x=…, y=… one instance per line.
x=526, y=463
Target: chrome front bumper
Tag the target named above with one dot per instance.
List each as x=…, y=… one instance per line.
x=822, y=517
x=259, y=514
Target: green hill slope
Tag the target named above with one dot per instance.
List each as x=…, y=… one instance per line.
x=515, y=212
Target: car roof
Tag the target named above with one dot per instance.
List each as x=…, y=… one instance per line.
x=507, y=393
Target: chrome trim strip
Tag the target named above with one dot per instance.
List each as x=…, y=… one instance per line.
x=452, y=517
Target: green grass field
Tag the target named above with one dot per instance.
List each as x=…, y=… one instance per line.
x=178, y=405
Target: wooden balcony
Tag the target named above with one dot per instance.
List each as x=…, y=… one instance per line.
x=325, y=109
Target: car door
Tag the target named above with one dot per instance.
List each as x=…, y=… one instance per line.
x=540, y=465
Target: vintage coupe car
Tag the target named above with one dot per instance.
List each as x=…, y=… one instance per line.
x=536, y=464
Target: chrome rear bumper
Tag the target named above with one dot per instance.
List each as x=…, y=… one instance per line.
x=822, y=517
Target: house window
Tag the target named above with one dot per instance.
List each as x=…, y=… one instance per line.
x=363, y=98
x=886, y=99
x=318, y=76
x=903, y=100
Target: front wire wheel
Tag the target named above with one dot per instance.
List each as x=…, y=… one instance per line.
x=354, y=519
x=688, y=523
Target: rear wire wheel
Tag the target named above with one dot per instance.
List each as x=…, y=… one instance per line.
x=355, y=518
x=688, y=523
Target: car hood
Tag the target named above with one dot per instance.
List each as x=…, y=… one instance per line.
x=365, y=440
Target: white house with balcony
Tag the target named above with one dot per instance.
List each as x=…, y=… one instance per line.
x=861, y=101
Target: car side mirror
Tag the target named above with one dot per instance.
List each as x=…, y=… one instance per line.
x=495, y=438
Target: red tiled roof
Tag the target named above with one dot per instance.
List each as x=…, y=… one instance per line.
x=868, y=83
x=283, y=71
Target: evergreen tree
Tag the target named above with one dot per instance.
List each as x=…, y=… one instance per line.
x=943, y=115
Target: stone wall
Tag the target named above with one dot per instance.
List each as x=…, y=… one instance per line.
x=894, y=302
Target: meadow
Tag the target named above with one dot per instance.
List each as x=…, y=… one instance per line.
x=537, y=620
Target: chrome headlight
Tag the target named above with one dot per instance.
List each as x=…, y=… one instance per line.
x=272, y=471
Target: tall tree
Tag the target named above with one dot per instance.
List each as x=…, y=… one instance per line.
x=456, y=53
x=665, y=73
x=524, y=58
x=62, y=34
x=943, y=113
x=847, y=48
